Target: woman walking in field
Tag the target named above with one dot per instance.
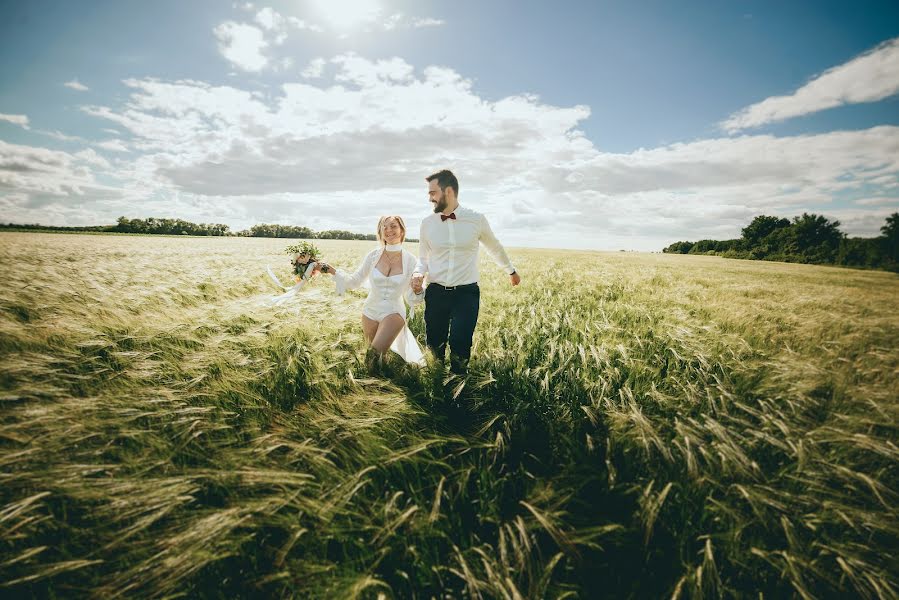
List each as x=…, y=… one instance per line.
x=388, y=270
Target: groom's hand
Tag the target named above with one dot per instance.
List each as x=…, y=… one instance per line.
x=417, y=279
x=515, y=278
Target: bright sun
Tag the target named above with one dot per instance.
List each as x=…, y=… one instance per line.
x=344, y=15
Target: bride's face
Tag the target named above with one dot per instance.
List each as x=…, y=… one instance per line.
x=391, y=232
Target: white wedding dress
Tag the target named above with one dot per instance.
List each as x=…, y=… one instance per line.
x=386, y=296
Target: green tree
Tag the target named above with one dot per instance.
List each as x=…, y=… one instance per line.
x=890, y=236
x=815, y=238
x=760, y=228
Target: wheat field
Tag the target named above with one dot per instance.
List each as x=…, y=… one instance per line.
x=633, y=426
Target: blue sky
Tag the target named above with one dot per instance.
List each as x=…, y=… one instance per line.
x=576, y=124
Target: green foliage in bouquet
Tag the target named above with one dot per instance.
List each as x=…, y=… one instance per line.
x=307, y=248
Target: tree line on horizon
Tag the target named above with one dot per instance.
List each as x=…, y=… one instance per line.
x=162, y=226
x=810, y=239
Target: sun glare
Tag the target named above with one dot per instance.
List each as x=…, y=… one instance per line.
x=344, y=15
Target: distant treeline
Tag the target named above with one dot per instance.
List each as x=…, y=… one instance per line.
x=154, y=225
x=809, y=239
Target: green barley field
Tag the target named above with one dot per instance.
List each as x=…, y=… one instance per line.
x=633, y=426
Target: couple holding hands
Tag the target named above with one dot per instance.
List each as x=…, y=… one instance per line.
x=448, y=255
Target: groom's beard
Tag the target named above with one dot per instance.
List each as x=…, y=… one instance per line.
x=440, y=205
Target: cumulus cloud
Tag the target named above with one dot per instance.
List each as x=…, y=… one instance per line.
x=20, y=120
x=76, y=85
x=32, y=178
x=242, y=45
x=365, y=138
x=269, y=18
x=869, y=77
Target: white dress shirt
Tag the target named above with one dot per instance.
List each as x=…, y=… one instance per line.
x=448, y=250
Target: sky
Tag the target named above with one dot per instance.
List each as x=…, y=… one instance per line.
x=574, y=124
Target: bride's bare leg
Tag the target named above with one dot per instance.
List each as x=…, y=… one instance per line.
x=388, y=329
x=369, y=329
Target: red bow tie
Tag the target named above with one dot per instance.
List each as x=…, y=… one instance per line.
x=452, y=216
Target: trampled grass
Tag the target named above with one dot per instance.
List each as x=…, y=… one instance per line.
x=637, y=426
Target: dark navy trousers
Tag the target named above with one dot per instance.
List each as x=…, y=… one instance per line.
x=451, y=314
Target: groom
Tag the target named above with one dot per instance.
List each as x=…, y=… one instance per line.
x=448, y=253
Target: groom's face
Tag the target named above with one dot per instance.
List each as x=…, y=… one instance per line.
x=436, y=196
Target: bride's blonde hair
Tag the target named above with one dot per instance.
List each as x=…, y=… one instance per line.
x=383, y=221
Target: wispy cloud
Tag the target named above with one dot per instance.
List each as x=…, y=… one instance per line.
x=304, y=25
x=20, y=120
x=401, y=21
x=869, y=77
x=242, y=45
x=76, y=85
x=58, y=135
x=113, y=145
x=881, y=201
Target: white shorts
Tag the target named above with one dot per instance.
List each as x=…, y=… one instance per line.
x=380, y=315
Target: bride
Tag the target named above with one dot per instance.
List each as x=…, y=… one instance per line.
x=388, y=269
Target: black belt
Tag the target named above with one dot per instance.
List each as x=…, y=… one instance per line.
x=456, y=287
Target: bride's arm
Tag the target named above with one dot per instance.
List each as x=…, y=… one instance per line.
x=346, y=281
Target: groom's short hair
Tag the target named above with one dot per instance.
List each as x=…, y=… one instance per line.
x=445, y=178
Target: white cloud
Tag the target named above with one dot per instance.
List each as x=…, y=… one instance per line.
x=91, y=157
x=368, y=137
x=879, y=201
x=304, y=26
x=20, y=120
x=76, y=85
x=400, y=21
x=32, y=178
x=113, y=145
x=347, y=15
x=427, y=22
x=269, y=18
x=869, y=77
x=315, y=68
x=58, y=135
x=336, y=153
x=242, y=45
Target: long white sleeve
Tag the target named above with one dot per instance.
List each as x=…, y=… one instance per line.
x=424, y=252
x=494, y=248
x=345, y=281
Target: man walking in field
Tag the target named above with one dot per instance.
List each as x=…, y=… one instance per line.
x=448, y=254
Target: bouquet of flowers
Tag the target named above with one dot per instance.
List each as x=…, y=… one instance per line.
x=304, y=259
